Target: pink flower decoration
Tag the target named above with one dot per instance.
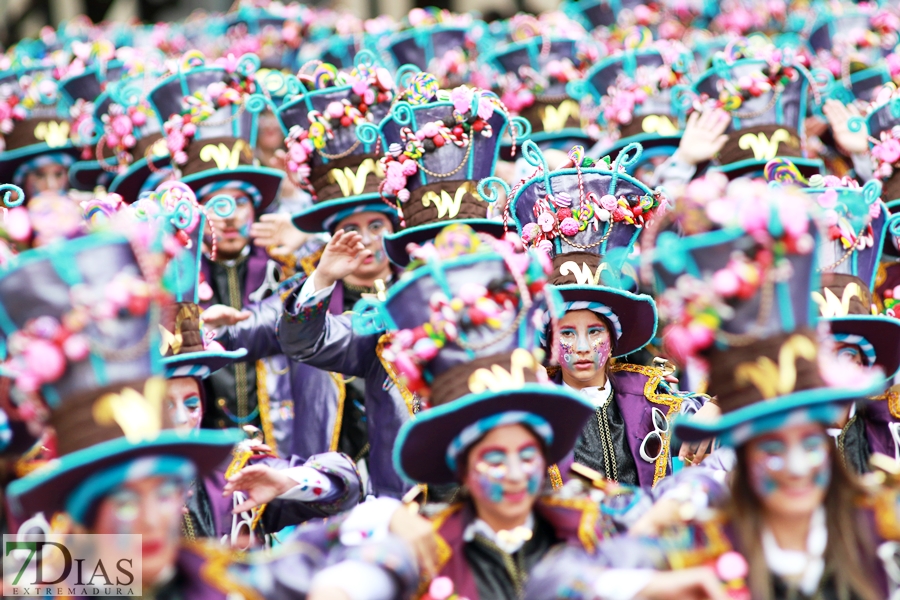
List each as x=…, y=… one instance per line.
x=461, y=98
x=470, y=292
x=547, y=222
x=530, y=232
x=546, y=246
x=887, y=151
x=609, y=202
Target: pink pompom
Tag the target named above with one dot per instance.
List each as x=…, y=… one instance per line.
x=18, y=225
x=410, y=168
x=569, y=226
x=441, y=588
x=731, y=566
x=76, y=348
x=45, y=359
x=726, y=283
x=609, y=202
x=470, y=292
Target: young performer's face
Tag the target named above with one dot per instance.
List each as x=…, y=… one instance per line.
x=790, y=469
x=49, y=178
x=372, y=226
x=584, y=346
x=505, y=473
x=151, y=508
x=232, y=233
x=184, y=407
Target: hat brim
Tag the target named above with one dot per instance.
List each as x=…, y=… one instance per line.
x=881, y=331
x=266, y=180
x=129, y=184
x=420, y=452
x=820, y=405
x=636, y=312
x=85, y=175
x=566, y=138
x=312, y=220
x=652, y=145
x=807, y=167
x=45, y=489
x=11, y=160
x=210, y=359
x=395, y=244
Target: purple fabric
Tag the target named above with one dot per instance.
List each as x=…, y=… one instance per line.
x=877, y=417
x=637, y=411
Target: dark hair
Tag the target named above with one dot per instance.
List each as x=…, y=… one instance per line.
x=849, y=555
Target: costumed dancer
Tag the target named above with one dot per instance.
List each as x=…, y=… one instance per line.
x=587, y=217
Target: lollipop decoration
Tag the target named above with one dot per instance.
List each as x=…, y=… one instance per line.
x=369, y=86
x=472, y=108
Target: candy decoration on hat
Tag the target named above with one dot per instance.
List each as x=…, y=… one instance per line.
x=208, y=112
x=325, y=151
x=439, y=144
x=736, y=294
x=464, y=326
x=767, y=91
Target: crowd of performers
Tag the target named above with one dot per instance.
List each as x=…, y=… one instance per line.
x=597, y=303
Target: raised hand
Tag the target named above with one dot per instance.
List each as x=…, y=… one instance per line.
x=703, y=137
x=341, y=257
x=839, y=115
x=260, y=483
x=219, y=315
x=277, y=231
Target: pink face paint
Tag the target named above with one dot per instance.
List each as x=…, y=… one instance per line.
x=808, y=457
x=498, y=468
x=590, y=345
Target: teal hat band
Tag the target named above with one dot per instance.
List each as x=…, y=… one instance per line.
x=478, y=429
x=99, y=485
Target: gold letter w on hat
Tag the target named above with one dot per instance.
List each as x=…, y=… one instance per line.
x=138, y=416
x=777, y=380
x=583, y=274
x=498, y=379
x=764, y=148
x=226, y=159
x=831, y=306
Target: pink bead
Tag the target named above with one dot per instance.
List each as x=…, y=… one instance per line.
x=45, y=359
x=731, y=566
x=725, y=282
x=76, y=348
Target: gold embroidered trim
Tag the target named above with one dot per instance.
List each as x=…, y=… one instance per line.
x=654, y=377
x=338, y=420
x=308, y=263
x=389, y=368
x=556, y=481
x=444, y=552
x=590, y=513
x=892, y=396
x=214, y=571
x=262, y=397
x=241, y=456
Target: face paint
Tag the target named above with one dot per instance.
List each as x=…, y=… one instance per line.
x=806, y=458
x=496, y=469
x=379, y=256
x=245, y=230
x=592, y=345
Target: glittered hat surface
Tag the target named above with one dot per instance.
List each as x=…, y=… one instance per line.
x=209, y=113
x=639, y=94
x=439, y=144
x=736, y=293
x=768, y=93
x=590, y=212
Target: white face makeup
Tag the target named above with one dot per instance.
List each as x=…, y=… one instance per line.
x=584, y=348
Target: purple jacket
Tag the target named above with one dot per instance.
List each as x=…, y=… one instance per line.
x=312, y=335
x=209, y=571
x=305, y=402
x=637, y=390
x=346, y=493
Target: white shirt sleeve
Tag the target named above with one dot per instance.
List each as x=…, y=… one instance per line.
x=622, y=584
x=311, y=485
x=308, y=291
x=359, y=580
x=862, y=164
